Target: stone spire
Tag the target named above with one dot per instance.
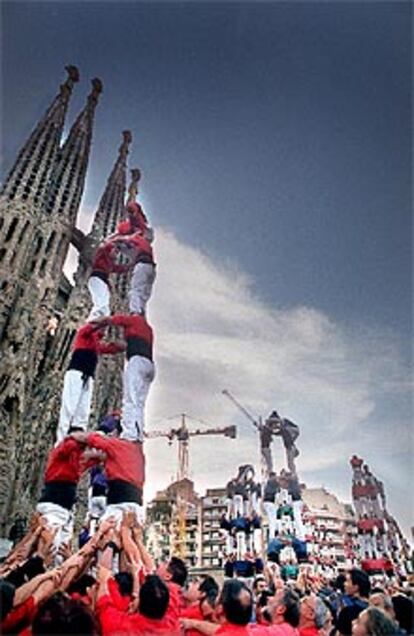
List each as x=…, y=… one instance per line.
x=111, y=205
x=68, y=178
x=29, y=177
x=22, y=202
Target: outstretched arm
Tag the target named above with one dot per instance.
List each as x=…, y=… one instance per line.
x=147, y=561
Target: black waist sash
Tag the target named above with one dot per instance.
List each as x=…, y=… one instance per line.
x=98, y=490
x=102, y=275
x=62, y=493
x=84, y=360
x=138, y=347
x=120, y=491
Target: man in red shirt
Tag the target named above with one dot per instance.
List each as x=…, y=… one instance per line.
x=139, y=372
x=104, y=264
x=125, y=471
x=78, y=381
x=143, y=275
x=64, y=468
x=131, y=244
x=155, y=614
x=313, y=615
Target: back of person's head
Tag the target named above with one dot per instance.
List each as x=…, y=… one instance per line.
x=361, y=580
x=237, y=602
x=7, y=591
x=153, y=597
x=62, y=615
x=321, y=613
x=339, y=583
x=178, y=570
x=378, y=623
x=125, y=583
x=208, y=586
x=208, y=604
x=404, y=612
x=291, y=603
x=81, y=585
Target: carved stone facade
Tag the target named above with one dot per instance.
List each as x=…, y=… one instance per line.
x=39, y=204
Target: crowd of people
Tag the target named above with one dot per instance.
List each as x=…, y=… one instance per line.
x=111, y=586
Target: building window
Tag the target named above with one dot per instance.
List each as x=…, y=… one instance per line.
x=11, y=229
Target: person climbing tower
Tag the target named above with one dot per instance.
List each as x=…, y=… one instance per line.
x=79, y=377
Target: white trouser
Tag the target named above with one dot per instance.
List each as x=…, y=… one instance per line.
x=241, y=544
x=365, y=541
x=141, y=287
x=139, y=372
x=297, y=516
x=100, y=295
x=117, y=511
x=96, y=508
x=255, y=503
x=270, y=511
x=229, y=507
x=257, y=540
x=376, y=508
x=229, y=543
x=75, y=403
x=358, y=507
x=60, y=519
x=237, y=505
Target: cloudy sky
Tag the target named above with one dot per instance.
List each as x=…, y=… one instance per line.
x=275, y=145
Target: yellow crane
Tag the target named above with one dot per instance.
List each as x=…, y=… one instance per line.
x=182, y=435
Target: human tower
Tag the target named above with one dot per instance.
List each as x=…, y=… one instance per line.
x=379, y=538
x=118, y=445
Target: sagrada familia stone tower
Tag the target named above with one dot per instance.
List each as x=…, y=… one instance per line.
x=39, y=309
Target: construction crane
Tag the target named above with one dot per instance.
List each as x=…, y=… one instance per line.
x=257, y=423
x=182, y=434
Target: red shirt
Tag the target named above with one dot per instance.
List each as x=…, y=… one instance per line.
x=19, y=617
x=137, y=216
x=115, y=621
x=142, y=247
x=104, y=259
x=193, y=612
x=308, y=631
x=124, y=460
x=282, y=629
x=64, y=462
x=230, y=629
x=135, y=326
x=89, y=338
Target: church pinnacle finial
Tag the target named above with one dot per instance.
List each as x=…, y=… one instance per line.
x=133, y=186
x=126, y=140
x=97, y=88
x=72, y=72
x=72, y=78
